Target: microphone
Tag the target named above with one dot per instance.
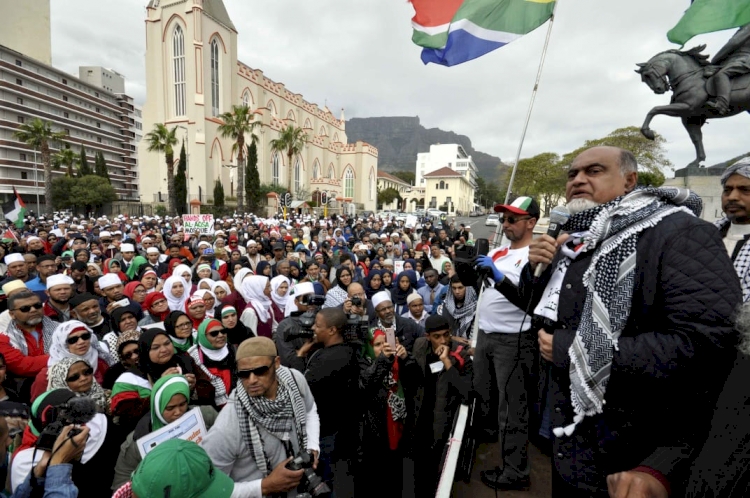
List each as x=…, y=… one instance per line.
x=557, y=218
x=481, y=247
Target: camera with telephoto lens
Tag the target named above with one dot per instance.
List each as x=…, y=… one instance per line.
x=306, y=320
x=311, y=482
x=356, y=301
x=77, y=411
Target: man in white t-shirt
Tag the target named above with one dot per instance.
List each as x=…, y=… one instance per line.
x=735, y=226
x=504, y=352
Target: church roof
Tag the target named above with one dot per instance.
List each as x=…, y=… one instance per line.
x=213, y=8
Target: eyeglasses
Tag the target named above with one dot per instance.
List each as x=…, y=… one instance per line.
x=88, y=373
x=160, y=302
x=258, y=372
x=74, y=339
x=26, y=309
x=139, y=291
x=215, y=333
x=183, y=325
x=513, y=220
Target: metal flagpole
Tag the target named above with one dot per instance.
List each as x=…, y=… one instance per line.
x=499, y=231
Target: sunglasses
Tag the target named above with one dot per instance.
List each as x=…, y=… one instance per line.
x=129, y=355
x=215, y=333
x=258, y=372
x=88, y=373
x=26, y=309
x=512, y=219
x=72, y=340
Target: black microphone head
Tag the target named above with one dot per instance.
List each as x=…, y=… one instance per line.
x=481, y=247
x=559, y=215
x=81, y=410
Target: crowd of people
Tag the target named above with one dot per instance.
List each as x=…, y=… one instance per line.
x=330, y=356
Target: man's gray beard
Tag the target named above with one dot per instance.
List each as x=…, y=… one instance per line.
x=33, y=322
x=579, y=205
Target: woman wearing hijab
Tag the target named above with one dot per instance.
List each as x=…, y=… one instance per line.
x=238, y=279
x=224, y=294
x=82, y=255
x=205, y=284
x=405, y=285
x=215, y=356
x=337, y=294
x=112, y=265
x=135, y=291
x=126, y=349
x=459, y=308
x=279, y=291
x=179, y=327
x=169, y=402
x=387, y=276
x=230, y=319
x=373, y=283
x=257, y=316
x=196, y=309
x=388, y=377
x=263, y=268
x=150, y=279
x=121, y=320
x=155, y=308
x=73, y=339
x=93, y=270
x=446, y=273
x=78, y=376
x=177, y=291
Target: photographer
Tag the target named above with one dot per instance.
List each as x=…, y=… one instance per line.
x=358, y=304
x=293, y=341
x=407, y=331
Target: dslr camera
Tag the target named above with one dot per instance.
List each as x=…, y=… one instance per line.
x=76, y=411
x=307, y=319
x=311, y=482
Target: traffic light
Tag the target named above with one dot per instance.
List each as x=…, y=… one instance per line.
x=282, y=200
x=324, y=197
x=288, y=199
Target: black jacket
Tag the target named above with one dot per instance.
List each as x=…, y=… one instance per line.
x=668, y=368
x=407, y=331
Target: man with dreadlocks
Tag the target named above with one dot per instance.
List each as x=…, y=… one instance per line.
x=735, y=226
x=273, y=412
x=633, y=320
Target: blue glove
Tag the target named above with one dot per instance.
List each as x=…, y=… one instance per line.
x=486, y=262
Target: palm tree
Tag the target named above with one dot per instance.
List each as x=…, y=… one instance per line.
x=162, y=139
x=290, y=142
x=39, y=135
x=238, y=123
x=65, y=158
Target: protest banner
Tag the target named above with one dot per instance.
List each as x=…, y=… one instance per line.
x=189, y=427
x=204, y=223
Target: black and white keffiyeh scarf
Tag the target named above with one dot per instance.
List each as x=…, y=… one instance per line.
x=278, y=416
x=741, y=262
x=613, y=231
x=465, y=314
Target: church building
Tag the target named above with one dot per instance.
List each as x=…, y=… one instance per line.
x=193, y=76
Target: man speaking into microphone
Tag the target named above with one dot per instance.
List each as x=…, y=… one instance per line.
x=633, y=318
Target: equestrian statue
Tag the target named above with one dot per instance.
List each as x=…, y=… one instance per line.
x=701, y=89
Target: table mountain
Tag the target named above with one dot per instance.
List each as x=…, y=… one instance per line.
x=399, y=140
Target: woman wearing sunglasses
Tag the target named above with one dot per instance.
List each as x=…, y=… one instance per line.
x=230, y=319
x=215, y=356
x=121, y=320
x=127, y=351
x=78, y=376
x=73, y=339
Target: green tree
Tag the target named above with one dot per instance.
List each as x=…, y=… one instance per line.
x=218, y=194
x=252, y=178
x=488, y=193
x=83, y=164
x=62, y=197
x=238, y=123
x=162, y=139
x=386, y=196
x=650, y=179
x=180, y=183
x=65, y=158
x=39, y=135
x=92, y=192
x=407, y=176
x=100, y=167
x=542, y=177
x=290, y=142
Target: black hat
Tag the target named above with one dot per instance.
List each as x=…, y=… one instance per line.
x=81, y=298
x=278, y=245
x=436, y=323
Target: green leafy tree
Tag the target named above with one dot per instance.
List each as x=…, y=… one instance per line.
x=39, y=135
x=542, y=177
x=488, y=193
x=252, y=178
x=386, y=196
x=238, y=123
x=91, y=192
x=83, y=164
x=218, y=194
x=407, y=176
x=290, y=142
x=180, y=183
x=100, y=167
x=650, y=179
x=62, y=197
x=65, y=158
x=161, y=139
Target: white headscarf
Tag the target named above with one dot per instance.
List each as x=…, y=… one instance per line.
x=202, y=293
x=238, y=281
x=209, y=281
x=275, y=284
x=58, y=350
x=180, y=269
x=221, y=284
x=253, y=288
x=176, y=303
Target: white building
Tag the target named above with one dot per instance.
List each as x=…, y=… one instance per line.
x=386, y=181
x=193, y=76
x=110, y=80
x=26, y=28
x=452, y=156
x=449, y=191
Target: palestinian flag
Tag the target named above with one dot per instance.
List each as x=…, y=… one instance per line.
x=129, y=386
x=15, y=210
x=9, y=236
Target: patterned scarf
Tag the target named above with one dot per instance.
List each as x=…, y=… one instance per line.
x=741, y=262
x=613, y=229
x=465, y=314
x=18, y=341
x=278, y=416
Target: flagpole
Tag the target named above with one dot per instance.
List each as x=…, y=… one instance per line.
x=499, y=230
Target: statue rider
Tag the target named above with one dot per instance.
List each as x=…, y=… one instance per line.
x=731, y=61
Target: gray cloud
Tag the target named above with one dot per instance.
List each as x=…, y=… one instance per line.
x=358, y=55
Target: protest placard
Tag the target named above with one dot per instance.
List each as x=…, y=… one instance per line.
x=204, y=223
x=189, y=427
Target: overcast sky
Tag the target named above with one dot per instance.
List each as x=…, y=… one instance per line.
x=358, y=54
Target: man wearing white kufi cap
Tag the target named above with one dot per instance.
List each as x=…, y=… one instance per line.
x=735, y=226
x=293, y=353
x=406, y=330
x=59, y=291
x=127, y=253
x=17, y=268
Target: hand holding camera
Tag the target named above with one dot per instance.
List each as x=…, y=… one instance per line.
x=68, y=446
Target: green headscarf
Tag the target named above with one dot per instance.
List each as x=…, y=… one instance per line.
x=161, y=395
x=135, y=267
x=203, y=328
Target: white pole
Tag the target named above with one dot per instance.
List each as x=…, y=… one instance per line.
x=499, y=231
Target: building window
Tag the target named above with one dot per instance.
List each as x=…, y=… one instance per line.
x=178, y=66
x=19, y=100
x=98, y=125
x=24, y=175
x=99, y=139
x=66, y=131
x=65, y=98
x=66, y=115
x=19, y=63
x=19, y=82
x=214, y=78
x=349, y=183
x=22, y=157
x=246, y=99
x=275, y=169
x=97, y=109
x=331, y=172
x=372, y=186
x=65, y=82
x=442, y=185
x=297, y=176
x=21, y=119
x=316, y=170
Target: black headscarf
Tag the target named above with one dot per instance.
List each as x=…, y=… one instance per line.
x=169, y=326
x=148, y=368
x=340, y=270
x=116, y=316
x=368, y=289
x=239, y=332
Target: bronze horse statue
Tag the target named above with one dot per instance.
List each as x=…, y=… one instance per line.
x=688, y=75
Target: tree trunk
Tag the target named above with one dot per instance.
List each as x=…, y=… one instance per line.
x=289, y=186
x=171, y=195
x=47, y=162
x=240, y=175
